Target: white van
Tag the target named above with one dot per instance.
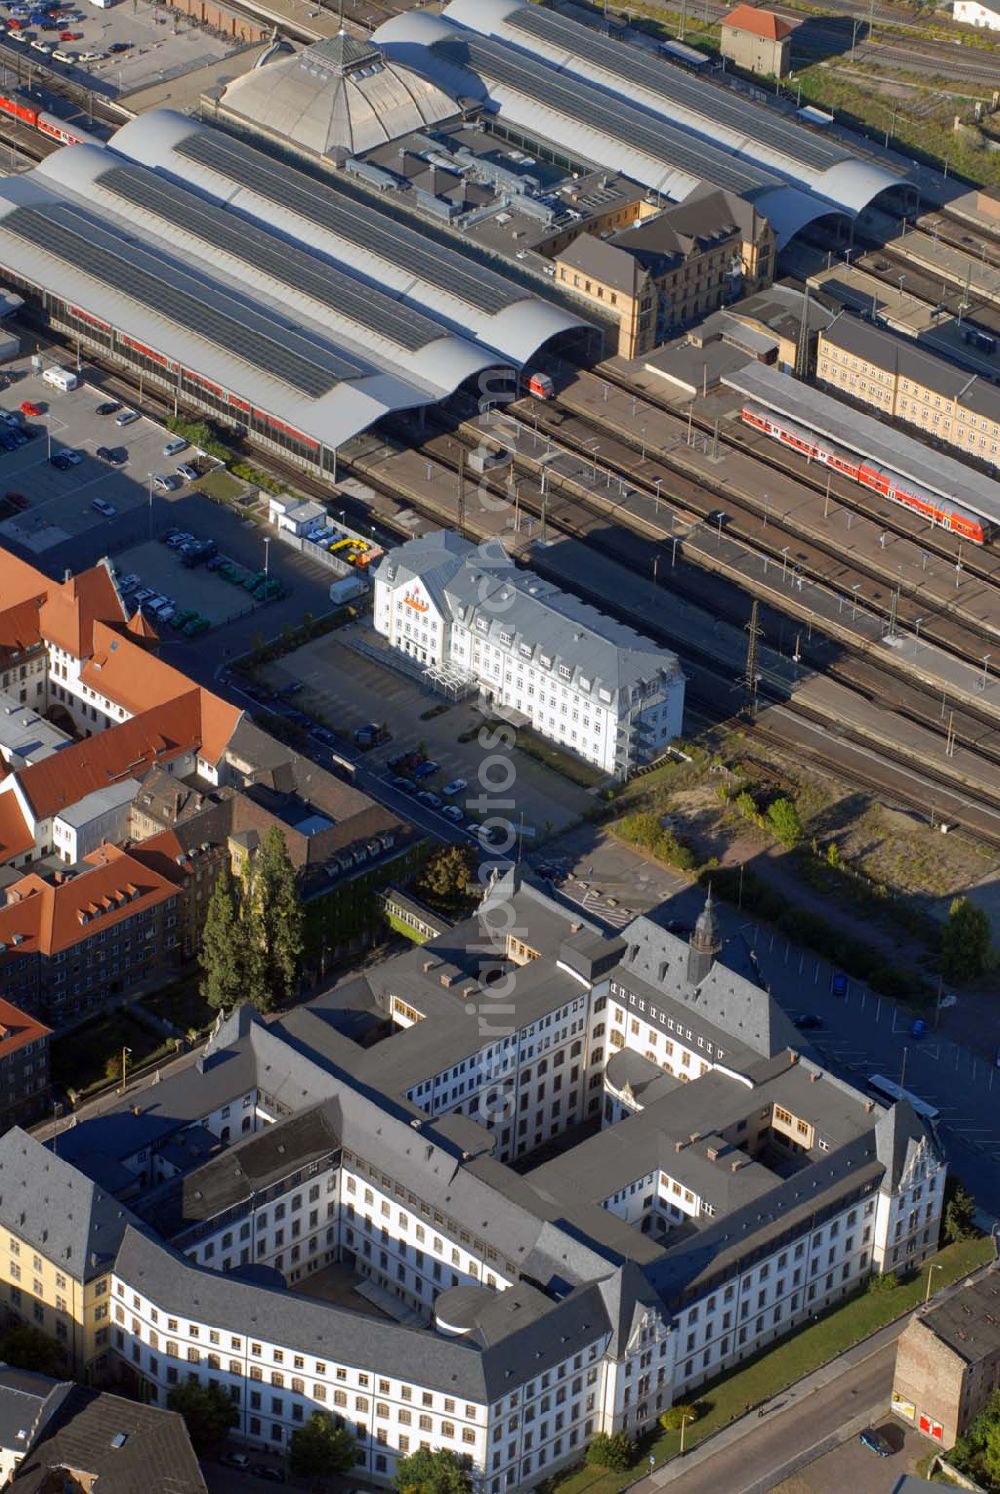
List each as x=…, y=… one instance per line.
x=62, y=378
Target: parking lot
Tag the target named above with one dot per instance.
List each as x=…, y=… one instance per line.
x=122, y=48
x=159, y=569
x=59, y=504
x=852, y=1466
x=350, y=690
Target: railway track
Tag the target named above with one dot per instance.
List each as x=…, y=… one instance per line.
x=31, y=75
x=960, y=235
x=700, y=495
x=788, y=463
x=572, y=515
x=891, y=517
x=883, y=263
x=912, y=788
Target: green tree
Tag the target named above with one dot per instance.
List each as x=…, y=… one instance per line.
x=321, y=1448
x=958, y=1222
x=447, y=875
x=783, y=819
x=965, y=941
x=977, y=1452
x=426, y=1472
x=27, y=1347
x=222, y=955
x=612, y=1451
x=273, y=923
x=207, y=1411
x=677, y=1416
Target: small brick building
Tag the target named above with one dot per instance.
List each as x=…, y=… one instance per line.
x=757, y=41
x=948, y=1362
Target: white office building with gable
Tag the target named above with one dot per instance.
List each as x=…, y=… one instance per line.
x=581, y=679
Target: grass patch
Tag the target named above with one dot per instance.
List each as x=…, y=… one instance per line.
x=182, y=1004
x=80, y=1059
x=573, y=768
x=775, y=1370
x=407, y=932
x=222, y=485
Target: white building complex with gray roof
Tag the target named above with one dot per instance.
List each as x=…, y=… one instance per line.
x=466, y=613
x=318, y=1221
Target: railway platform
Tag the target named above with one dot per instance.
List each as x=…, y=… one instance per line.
x=845, y=544
x=510, y=512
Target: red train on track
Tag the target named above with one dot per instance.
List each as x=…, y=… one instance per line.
x=46, y=124
x=883, y=480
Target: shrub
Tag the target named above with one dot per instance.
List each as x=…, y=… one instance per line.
x=784, y=822
x=612, y=1451
x=677, y=1416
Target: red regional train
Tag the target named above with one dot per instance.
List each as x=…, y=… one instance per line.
x=869, y=474
x=46, y=124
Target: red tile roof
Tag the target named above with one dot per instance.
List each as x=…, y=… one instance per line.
x=16, y=838
x=19, y=625
x=170, y=713
x=127, y=674
x=758, y=22
x=124, y=751
x=72, y=608
x=18, y=1028
x=20, y=581
x=53, y=916
x=140, y=626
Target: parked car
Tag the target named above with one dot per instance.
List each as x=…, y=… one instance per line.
x=186, y=472
x=267, y=1474
x=127, y=417
x=163, y=482
x=807, y=1021
x=60, y=460
x=453, y=812
x=325, y=735
x=400, y=784
x=876, y=1442
x=107, y=406
x=115, y=456
x=28, y=407
x=427, y=798
x=181, y=619
x=427, y=769
x=102, y=506
x=235, y=1460
x=198, y=626
x=17, y=500
x=454, y=787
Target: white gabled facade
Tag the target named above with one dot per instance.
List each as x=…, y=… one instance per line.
x=580, y=679
x=973, y=13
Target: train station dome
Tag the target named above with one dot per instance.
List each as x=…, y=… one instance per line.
x=336, y=99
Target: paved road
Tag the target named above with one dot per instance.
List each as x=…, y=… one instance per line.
x=805, y=1427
